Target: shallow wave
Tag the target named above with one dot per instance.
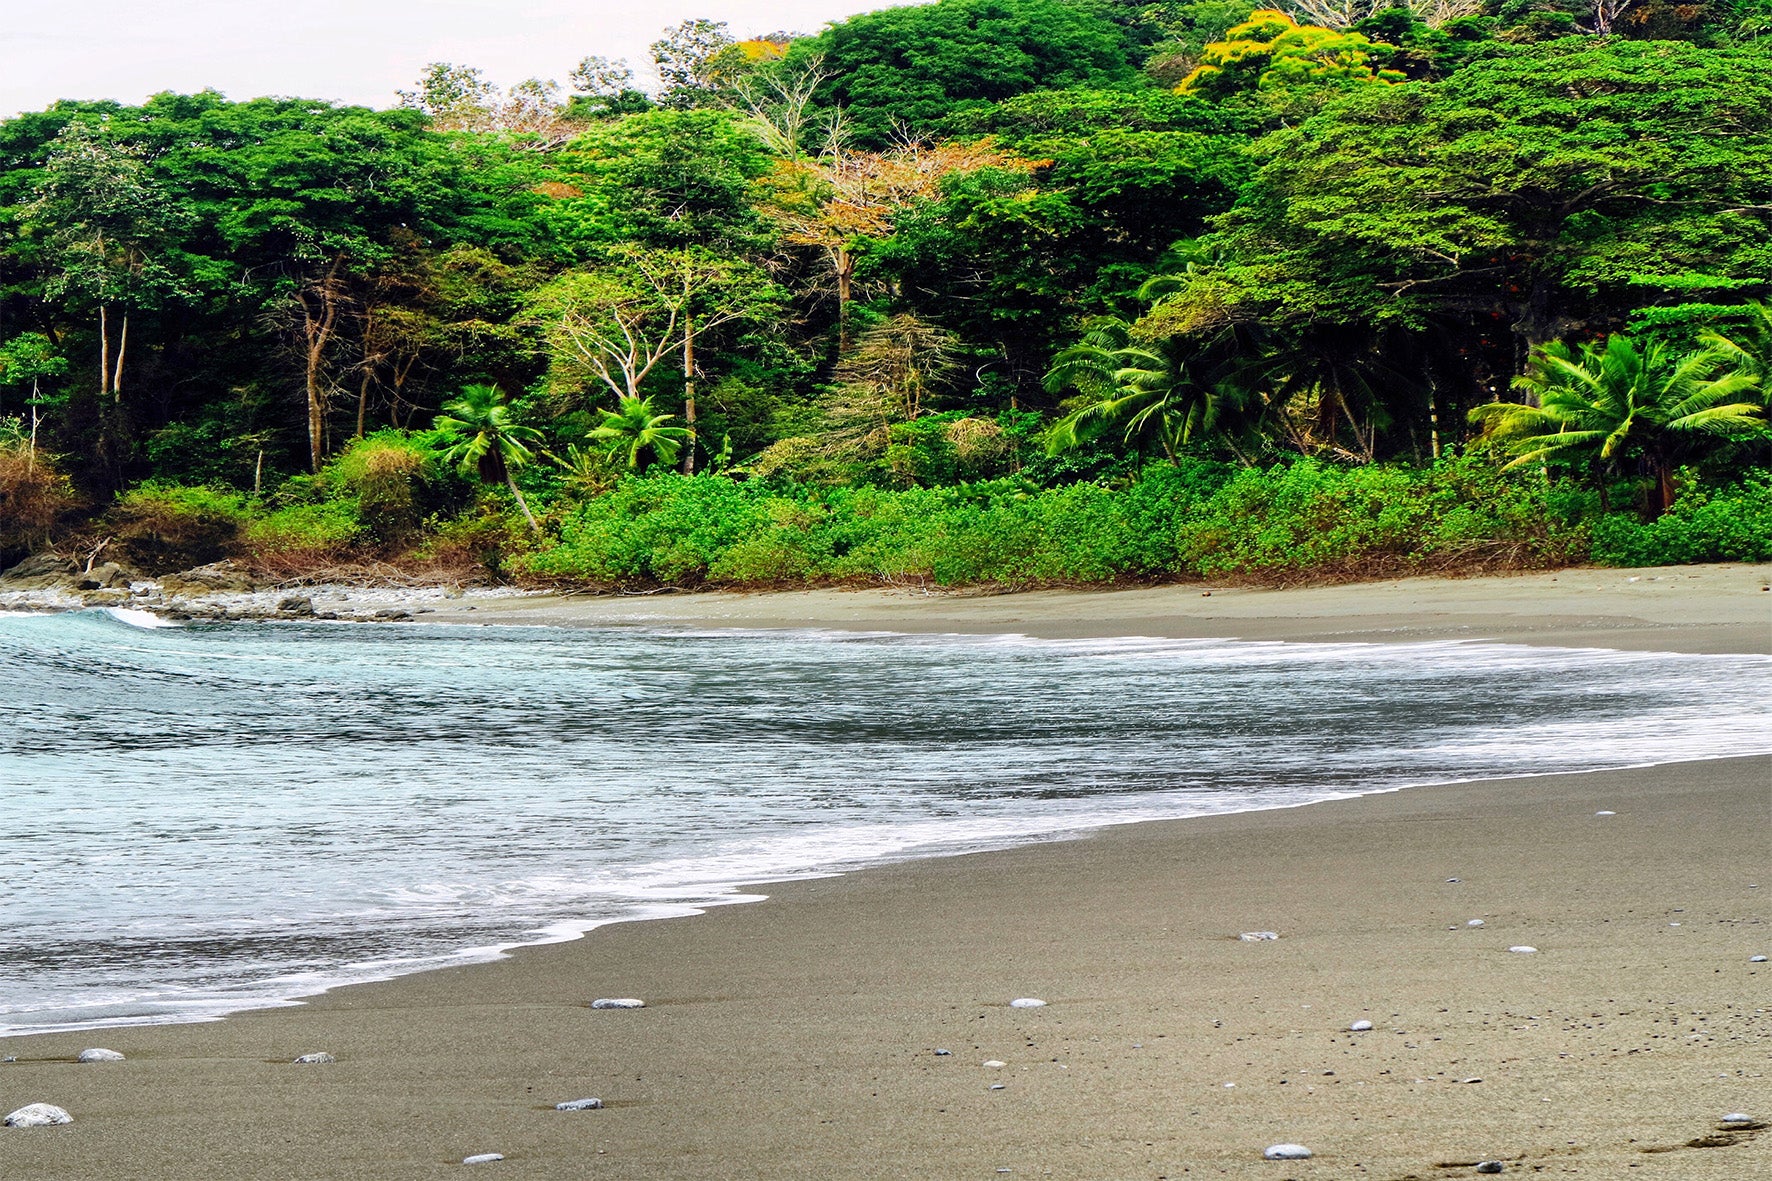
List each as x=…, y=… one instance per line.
x=213, y=817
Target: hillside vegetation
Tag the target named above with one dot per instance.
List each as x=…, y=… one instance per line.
x=972, y=292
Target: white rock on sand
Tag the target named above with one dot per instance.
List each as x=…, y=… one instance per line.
x=1027, y=1002
x=38, y=1115
x=97, y=1054
x=579, y=1105
x=1523, y=949
x=618, y=1002
x=1360, y=1026
x=482, y=1158
x=319, y=1059
x=1258, y=936
x=1287, y=1152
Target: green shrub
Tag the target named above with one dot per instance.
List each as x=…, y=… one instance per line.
x=479, y=543
x=1310, y=516
x=1732, y=524
x=388, y=475
x=165, y=527
x=677, y=529
x=321, y=531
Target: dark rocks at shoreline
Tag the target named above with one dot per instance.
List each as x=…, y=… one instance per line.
x=109, y=576
x=216, y=578
x=44, y=571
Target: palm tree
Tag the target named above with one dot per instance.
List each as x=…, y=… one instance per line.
x=1151, y=394
x=1751, y=344
x=477, y=433
x=632, y=428
x=1606, y=403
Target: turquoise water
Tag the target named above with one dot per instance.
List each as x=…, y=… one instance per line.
x=203, y=818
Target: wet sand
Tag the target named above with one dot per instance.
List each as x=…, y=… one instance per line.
x=1718, y=608
x=797, y=1038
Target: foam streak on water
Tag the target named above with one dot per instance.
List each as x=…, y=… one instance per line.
x=206, y=818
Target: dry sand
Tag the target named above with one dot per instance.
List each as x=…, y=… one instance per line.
x=797, y=1038
x=1724, y=608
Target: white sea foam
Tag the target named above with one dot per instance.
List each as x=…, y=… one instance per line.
x=287, y=809
x=146, y=620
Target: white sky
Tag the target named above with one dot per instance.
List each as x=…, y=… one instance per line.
x=346, y=50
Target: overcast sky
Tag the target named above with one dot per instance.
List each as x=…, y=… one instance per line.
x=348, y=50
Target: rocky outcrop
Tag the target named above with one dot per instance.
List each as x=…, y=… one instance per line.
x=44, y=571
x=215, y=578
x=109, y=576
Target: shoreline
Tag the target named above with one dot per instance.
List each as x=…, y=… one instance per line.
x=773, y=1033
x=1714, y=608
x=797, y=1038
x=749, y=891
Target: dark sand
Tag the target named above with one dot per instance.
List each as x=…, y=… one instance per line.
x=796, y=1038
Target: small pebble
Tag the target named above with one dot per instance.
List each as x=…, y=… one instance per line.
x=482, y=1158
x=580, y=1105
x=1258, y=936
x=1027, y=1002
x=1605, y=813
x=994, y=1064
x=1452, y=881
x=1360, y=1026
x=618, y=1002
x=1489, y=1166
x=1756, y=959
x=1470, y=1080
x=944, y=1053
x=1474, y=923
x=1523, y=949
x=1287, y=1152
x=999, y=1086
x=319, y=1059
x=1738, y=1117
x=38, y=1115
x=100, y=1055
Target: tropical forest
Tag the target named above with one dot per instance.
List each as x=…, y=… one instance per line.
x=973, y=293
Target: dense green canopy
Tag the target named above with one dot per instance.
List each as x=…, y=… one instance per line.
x=1126, y=231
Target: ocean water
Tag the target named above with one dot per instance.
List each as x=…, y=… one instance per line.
x=199, y=819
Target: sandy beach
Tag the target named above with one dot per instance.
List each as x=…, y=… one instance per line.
x=1725, y=608
x=798, y=1038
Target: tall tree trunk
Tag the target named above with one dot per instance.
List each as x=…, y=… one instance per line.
x=1663, y=497
x=1433, y=418
x=511, y=483
x=845, y=274
x=320, y=308
x=316, y=414
x=363, y=401
x=689, y=394
x=104, y=354
x=1534, y=325
x=31, y=455
x=122, y=347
